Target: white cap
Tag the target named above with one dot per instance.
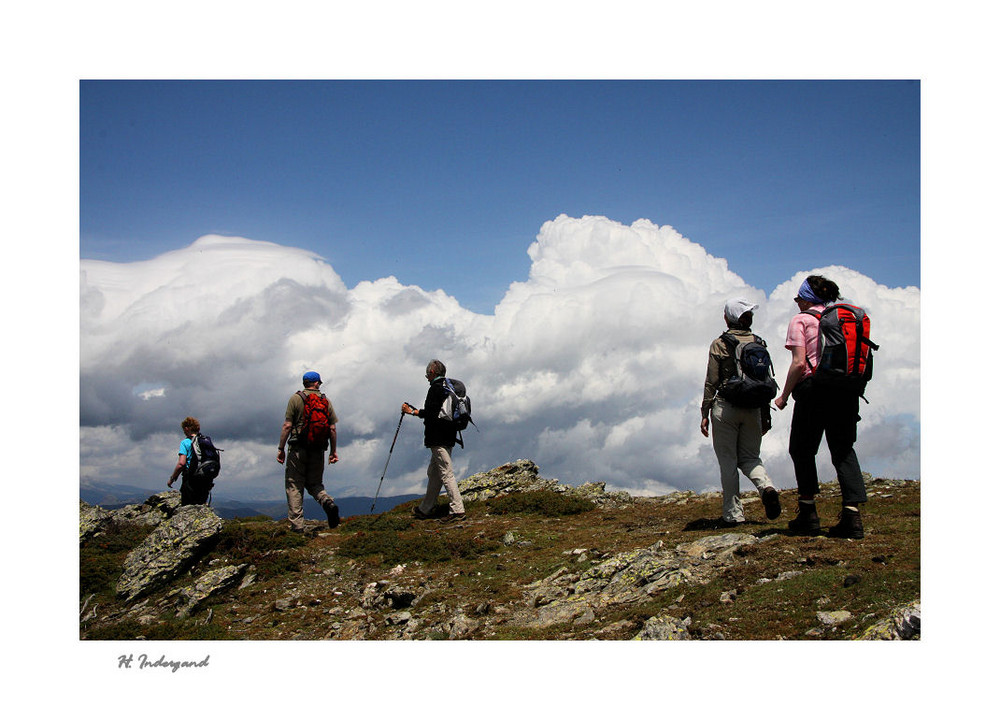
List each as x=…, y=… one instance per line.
x=736, y=307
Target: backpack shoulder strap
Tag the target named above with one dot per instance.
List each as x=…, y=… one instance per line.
x=730, y=340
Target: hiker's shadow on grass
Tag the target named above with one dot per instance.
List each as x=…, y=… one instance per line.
x=720, y=524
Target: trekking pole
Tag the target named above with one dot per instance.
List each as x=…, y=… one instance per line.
x=401, y=414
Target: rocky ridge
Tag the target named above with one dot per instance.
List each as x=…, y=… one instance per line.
x=602, y=590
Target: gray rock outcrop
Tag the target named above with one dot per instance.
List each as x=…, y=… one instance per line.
x=169, y=550
x=664, y=627
x=92, y=520
x=522, y=476
x=902, y=624
x=207, y=585
x=634, y=576
x=154, y=510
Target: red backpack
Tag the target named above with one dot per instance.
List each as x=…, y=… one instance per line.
x=845, y=347
x=315, y=430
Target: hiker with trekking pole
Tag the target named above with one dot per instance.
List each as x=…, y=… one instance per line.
x=446, y=410
x=831, y=366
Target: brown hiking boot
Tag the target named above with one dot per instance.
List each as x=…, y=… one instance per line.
x=772, y=503
x=849, y=526
x=332, y=515
x=807, y=521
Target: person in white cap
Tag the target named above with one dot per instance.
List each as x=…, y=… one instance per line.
x=739, y=407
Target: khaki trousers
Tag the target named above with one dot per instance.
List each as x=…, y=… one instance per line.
x=304, y=472
x=736, y=434
x=439, y=473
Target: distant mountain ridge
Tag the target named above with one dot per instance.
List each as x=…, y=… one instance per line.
x=113, y=497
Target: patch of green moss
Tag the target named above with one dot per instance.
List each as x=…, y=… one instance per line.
x=265, y=544
x=170, y=630
x=102, y=557
x=395, y=547
x=539, y=502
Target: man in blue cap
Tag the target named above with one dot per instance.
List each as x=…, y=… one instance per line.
x=310, y=426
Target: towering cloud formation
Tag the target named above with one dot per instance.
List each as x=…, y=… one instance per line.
x=593, y=367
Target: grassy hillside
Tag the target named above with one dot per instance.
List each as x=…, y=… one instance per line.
x=391, y=576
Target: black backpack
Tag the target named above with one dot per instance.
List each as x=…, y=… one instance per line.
x=205, y=459
x=753, y=385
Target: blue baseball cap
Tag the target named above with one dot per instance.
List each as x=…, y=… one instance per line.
x=311, y=377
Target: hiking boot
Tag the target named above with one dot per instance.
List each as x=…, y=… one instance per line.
x=452, y=518
x=420, y=514
x=332, y=515
x=806, y=522
x=772, y=503
x=849, y=526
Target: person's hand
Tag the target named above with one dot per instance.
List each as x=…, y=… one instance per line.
x=781, y=402
x=170, y=482
x=334, y=457
x=281, y=456
x=409, y=409
x=704, y=427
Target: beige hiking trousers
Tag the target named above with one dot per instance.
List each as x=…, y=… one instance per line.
x=439, y=473
x=736, y=434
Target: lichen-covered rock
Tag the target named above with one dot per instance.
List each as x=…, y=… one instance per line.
x=518, y=476
x=665, y=627
x=837, y=617
x=207, y=585
x=154, y=510
x=460, y=627
x=382, y=594
x=169, y=550
x=633, y=576
x=902, y=624
x=522, y=476
x=92, y=519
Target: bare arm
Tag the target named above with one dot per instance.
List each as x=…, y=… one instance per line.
x=286, y=430
x=178, y=469
x=795, y=372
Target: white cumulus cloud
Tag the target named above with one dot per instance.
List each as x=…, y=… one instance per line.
x=593, y=367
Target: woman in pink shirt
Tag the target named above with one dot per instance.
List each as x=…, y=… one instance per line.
x=820, y=409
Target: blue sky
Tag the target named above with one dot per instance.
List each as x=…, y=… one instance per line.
x=445, y=184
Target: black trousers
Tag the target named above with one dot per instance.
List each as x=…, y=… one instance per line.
x=195, y=491
x=831, y=411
